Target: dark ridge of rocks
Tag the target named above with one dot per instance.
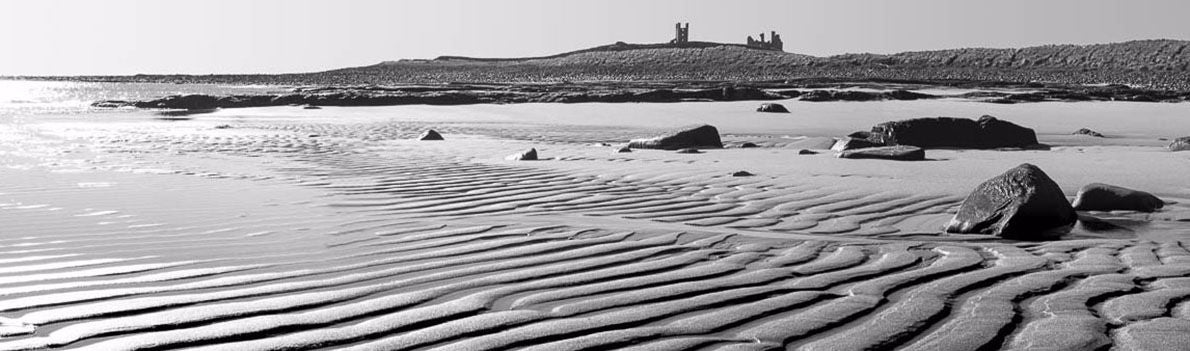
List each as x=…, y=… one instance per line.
x=1023, y=203
x=850, y=95
x=701, y=136
x=1104, y=197
x=527, y=155
x=772, y=107
x=1087, y=132
x=849, y=143
x=1180, y=144
x=430, y=135
x=896, y=153
x=948, y=132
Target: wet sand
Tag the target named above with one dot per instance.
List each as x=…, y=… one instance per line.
x=283, y=228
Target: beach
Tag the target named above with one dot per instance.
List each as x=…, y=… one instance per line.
x=335, y=228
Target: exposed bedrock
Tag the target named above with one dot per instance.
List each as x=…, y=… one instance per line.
x=896, y=153
x=700, y=136
x=1087, y=132
x=850, y=143
x=1104, y=197
x=1023, y=203
x=948, y=132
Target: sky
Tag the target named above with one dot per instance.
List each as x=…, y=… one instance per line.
x=105, y=37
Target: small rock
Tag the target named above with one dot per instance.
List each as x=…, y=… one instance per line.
x=1087, y=132
x=1103, y=197
x=1180, y=144
x=772, y=107
x=223, y=126
x=1023, y=203
x=430, y=135
x=741, y=174
x=845, y=144
x=860, y=135
x=748, y=145
x=527, y=155
x=311, y=107
x=622, y=149
x=806, y=152
x=896, y=153
x=689, y=150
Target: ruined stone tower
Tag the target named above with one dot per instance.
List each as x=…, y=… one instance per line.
x=681, y=34
x=773, y=43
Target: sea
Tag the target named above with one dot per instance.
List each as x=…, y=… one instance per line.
x=38, y=97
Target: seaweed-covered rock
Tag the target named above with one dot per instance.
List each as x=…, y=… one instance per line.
x=948, y=132
x=702, y=136
x=527, y=155
x=772, y=107
x=1180, y=144
x=896, y=153
x=1103, y=197
x=430, y=135
x=1023, y=203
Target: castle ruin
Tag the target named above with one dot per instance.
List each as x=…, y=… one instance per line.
x=774, y=43
x=681, y=35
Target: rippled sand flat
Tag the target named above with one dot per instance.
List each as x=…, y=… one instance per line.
x=282, y=228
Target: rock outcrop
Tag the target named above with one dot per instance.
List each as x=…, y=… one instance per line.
x=527, y=155
x=1104, y=197
x=772, y=107
x=1023, y=203
x=430, y=135
x=947, y=132
x=1180, y=144
x=702, y=136
x=896, y=153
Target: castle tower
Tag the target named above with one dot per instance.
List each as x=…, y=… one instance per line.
x=681, y=35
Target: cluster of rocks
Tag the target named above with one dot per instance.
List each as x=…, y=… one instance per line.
x=1025, y=204
x=905, y=140
x=1180, y=144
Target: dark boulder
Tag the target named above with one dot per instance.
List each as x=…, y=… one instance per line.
x=853, y=143
x=430, y=135
x=863, y=134
x=527, y=155
x=947, y=132
x=772, y=107
x=189, y=102
x=806, y=152
x=1023, y=203
x=622, y=149
x=748, y=145
x=703, y=136
x=1180, y=144
x=896, y=153
x=1103, y=197
x=741, y=174
x=310, y=107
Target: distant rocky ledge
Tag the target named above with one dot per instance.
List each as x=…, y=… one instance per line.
x=812, y=91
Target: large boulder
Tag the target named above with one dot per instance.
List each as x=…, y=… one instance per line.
x=702, y=136
x=1103, y=197
x=897, y=153
x=1180, y=144
x=948, y=132
x=772, y=107
x=1023, y=203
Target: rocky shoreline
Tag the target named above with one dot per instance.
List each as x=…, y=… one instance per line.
x=468, y=94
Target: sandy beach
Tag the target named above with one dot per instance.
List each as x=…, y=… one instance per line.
x=286, y=228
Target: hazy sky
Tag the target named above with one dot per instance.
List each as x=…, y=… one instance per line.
x=69, y=37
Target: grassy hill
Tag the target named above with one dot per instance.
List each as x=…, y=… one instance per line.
x=1151, y=63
